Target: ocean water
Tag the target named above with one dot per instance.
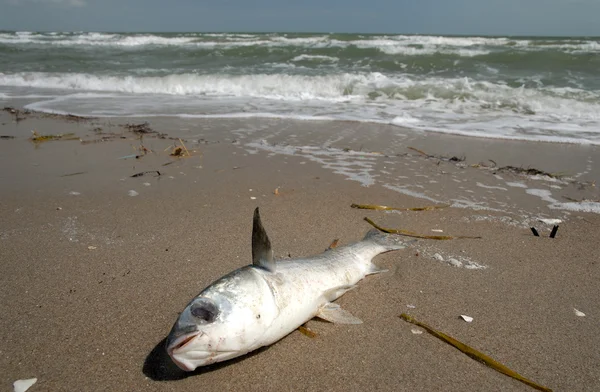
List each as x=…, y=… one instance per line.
x=528, y=88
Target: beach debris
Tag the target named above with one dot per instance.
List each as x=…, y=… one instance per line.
x=128, y=156
x=140, y=174
x=252, y=198
x=550, y=221
x=420, y=152
x=386, y=208
x=132, y=193
x=73, y=174
x=23, y=385
x=184, y=147
x=455, y=262
x=146, y=184
x=276, y=191
x=415, y=235
x=579, y=313
x=6, y=137
x=58, y=208
x=143, y=149
x=437, y=230
x=307, y=331
x=142, y=152
x=438, y=257
x=552, y=234
x=416, y=331
x=139, y=129
x=476, y=355
x=530, y=172
x=16, y=112
x=411, y=306
x=439, y=157
x=73, y=193
x=104, y=138
x=168, y=163
x=468, y=319
x=333, y=244
x=69, y=117
x=91, y=247
x=178, y=150
x=581, y=200
x=37, y=138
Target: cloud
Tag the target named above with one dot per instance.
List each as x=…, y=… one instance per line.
x=68, y=3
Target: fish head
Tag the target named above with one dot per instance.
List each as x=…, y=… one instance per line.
x=225, y=321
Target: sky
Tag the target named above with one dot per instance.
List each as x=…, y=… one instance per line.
x=467, y=17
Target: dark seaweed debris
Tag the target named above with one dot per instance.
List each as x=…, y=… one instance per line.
x=139, y=129
x=439, y=157
x=140, y=174
x=68, y=117
x=529, y=171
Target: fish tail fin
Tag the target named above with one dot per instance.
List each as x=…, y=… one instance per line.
x=389, y=242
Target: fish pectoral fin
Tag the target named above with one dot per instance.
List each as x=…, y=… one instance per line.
x=335, y=314
x=336, y=292
x=373, y=269
x=262, y=254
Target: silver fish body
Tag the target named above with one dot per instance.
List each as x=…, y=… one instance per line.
x=259, y=304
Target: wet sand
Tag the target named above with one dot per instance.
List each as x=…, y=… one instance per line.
x=92, y=278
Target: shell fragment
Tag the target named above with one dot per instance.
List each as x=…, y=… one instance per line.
x=468, y=319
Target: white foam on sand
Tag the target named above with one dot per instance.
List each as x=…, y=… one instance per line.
x=462, y=203
x=458, y=261
x=403, y=189
x=516, y=184
x=354, y=165
x=543, y=194
x=479, y=184
x=584, y=206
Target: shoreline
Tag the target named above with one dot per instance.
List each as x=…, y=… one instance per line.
x=23, y=103
x=93, y=281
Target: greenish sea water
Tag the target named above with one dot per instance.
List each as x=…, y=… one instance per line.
x=503, y=87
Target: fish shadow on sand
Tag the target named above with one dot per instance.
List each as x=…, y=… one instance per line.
x=159, y=367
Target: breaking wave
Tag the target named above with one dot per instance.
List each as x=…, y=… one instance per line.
x=453, y=105
x=389, y=44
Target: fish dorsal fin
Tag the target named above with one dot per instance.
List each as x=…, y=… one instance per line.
x=262, y=254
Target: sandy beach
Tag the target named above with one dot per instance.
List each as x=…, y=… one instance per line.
x=95, y=264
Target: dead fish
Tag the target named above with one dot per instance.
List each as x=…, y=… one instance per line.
x=261, y=303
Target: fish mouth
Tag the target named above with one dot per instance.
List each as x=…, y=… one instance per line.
x=187, y=358
x=176, y=346
x=182, y=341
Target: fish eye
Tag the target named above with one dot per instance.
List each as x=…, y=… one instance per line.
x=205, y=310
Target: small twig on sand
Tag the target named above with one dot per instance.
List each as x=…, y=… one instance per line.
x=415, y=235
x=386, y=208
x=184, y=147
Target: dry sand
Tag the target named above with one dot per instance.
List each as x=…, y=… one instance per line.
x=92, y=278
